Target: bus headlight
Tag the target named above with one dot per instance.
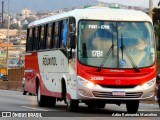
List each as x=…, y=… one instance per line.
x=148, y=84
x=85, y=82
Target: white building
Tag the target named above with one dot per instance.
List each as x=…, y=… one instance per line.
x=101, y=3
x=24, y=22
x=104, y=3
x=14, y=21
x=25, y=13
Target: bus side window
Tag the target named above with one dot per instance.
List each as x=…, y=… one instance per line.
x=41, y=37
x=55, y=42
x=52, y=35
x=60, y=33
x=71, y=44
x=72, y=31
x=48, y=35
x=45, y=36
x=35, y=43
x=64, y=34
x=29, y=40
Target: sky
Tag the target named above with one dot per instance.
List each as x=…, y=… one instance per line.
x=40, y=5
x=143, y=3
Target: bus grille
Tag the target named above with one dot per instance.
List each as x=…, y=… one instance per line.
x=109, y=95
x=111, y=86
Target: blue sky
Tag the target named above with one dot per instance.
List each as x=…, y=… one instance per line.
x=17, y=5
x=144, y=3
x=38, y=5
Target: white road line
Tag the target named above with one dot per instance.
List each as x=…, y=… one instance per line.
x=34, y=108
x=148, y=110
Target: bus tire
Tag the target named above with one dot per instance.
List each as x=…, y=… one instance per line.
x=132, y=106
x=40, y=98
x=72, y=105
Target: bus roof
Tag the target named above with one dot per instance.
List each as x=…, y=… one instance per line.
x=97, y=13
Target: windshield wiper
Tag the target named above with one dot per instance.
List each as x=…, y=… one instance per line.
x=123, y=48
x=107, y=55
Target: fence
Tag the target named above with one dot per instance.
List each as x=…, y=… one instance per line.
x=16, y=74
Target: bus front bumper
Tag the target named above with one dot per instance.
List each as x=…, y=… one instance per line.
x=87, y=90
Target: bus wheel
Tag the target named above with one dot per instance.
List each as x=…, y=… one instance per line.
x=132, y=106
x=72, y=105
x=40, y=98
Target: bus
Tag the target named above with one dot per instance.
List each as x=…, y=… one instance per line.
x=93, y=56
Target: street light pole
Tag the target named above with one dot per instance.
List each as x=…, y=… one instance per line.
x=7, y=56
x=20, y=45
x=151, y=8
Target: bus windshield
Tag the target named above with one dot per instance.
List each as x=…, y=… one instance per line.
x=116, y=44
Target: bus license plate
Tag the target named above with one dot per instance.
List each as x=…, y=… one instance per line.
x=118, y=93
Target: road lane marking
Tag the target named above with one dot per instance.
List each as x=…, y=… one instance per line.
x=34, y=108
x=148, y=110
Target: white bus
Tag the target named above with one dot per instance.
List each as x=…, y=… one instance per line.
x=95, y=56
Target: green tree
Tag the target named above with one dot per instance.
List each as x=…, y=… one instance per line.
x=156, y=15
x=14, y=26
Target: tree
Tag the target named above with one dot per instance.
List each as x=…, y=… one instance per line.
x=156, y=22
x=156, y=15
x=14, y=26
x=157, y=34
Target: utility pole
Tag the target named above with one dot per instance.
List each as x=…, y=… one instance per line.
x=151, y=9
x=20, y=45
x=2, y=13
x=7, y=56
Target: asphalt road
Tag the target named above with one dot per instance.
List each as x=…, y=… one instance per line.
x=15, y=102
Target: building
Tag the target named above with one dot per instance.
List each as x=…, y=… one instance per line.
x=103, y=3
x=25, y=13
